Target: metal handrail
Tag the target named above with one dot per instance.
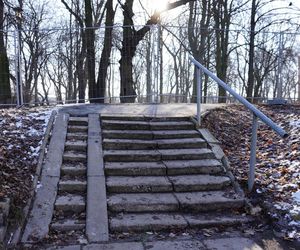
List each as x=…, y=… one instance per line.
x=256, y=114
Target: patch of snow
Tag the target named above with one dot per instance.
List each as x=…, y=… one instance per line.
x=10, y=146
x=32, y=132
x=296, y=196
x=295, y=123
x=289, y=185
x=294, y=223
x=19, y=124
x=35, y=151
x=282, y=206
x=38, y=186
x=2, y=121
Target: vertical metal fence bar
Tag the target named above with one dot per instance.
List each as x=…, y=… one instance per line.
x=251, y=175
x=20, y=66
x=158, y=28
x=17, y=68
x=199, y=93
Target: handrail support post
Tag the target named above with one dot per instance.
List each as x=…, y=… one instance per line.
x=251, y=175
x=199, y=93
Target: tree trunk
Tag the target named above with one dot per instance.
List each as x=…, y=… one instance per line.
x=90, y=51
x=105, y=55
x=131, y=39
x=222, y=18
x=5, y=96
x=250, y=85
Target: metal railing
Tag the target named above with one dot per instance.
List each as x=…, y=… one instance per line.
x=256, y=114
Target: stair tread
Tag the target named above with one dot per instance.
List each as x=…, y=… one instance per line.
x=147, y=222
x=171, y=125
x=204, y=201
x=186, y=154
x=77, y=135
x=183, y=183
x=131, y=144
x=68, y=225
x=76, y=143
x=74, y=154
x=138, y=184
x=70, y=200
x=204, y=166
x=79, y=118
x=141, y=202
x=128, y=134
x=72, y=186
x=130, y=125
x=77, y=128
x=76, y=165
x=135, y=168
x=165, y=134
x=215, y=219
x=124, y=144
x=131, y=155
x=209, y=197
x=139, y=222
x=78, y=121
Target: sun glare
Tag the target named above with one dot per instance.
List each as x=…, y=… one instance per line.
x=158, y=5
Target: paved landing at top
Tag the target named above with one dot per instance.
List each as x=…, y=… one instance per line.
x=137, y=109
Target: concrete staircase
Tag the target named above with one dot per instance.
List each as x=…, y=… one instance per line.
x=161, y=175
x=70, y=205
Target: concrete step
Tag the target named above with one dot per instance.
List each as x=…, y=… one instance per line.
x=138, y=184
x=172, y=125
x=186, y=154
x=132, y=155
x=189, y=183
x=206, y=166
x=214, y=219
x=68, y=225
x=145, y=118
x=77, y=129
x=134, y=168
x=182, y=143
x=72, y=186
x=78, y=121
x=172, y=202
x=122, y=118
x=208, y=201
x=127, y=134
x=70, y=203
x=125, y=125
x=125, y=144
x=144, y=222
x=74, y=156
x=142, y=202
x=177, y=134
x=167, y=119
x=76, y=145
x=76, y=169
x=157, y=155
x=77, y=136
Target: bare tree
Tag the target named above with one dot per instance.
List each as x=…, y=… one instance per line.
x=131, y=39
x=5, y=96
